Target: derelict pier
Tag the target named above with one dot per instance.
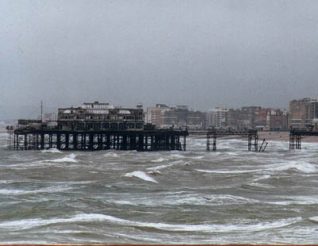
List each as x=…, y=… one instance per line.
x=145, y=140
x=96, y=126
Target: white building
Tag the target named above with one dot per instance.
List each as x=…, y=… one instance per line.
x=217, y=117
x=155, y=115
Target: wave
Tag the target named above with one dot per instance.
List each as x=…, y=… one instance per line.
x=26, y=192
x=262, y=177
x=69, y=158
x=186, y=199
x=301, y=166
x=176, y=156
x=314, y=219
x=205, y=228
x=141, y=175
x=53, y=150
x=298, y=200
x=159, y=160
x=157, y=168
x=111, y=154
x=200, y=157
x=226, y=171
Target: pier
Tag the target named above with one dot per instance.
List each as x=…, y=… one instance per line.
x=250, y=134
x=141, y=140
x=296, y=135
x=252, y=138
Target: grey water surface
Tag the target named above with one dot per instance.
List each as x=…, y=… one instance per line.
x=228, y=196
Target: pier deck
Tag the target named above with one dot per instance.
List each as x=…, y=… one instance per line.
x=140, y=140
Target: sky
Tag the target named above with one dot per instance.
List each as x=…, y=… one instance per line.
x=201, y=53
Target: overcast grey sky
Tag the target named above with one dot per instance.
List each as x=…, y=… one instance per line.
x=200, y=53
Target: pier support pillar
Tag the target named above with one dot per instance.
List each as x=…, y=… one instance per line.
x=214, y=143
x=291, y=141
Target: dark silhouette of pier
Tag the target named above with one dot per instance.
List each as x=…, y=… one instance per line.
x=296, y=135
x=140, y=140
x=213, y=134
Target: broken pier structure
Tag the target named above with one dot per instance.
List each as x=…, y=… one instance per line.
x=296, y=135
x=252, y=138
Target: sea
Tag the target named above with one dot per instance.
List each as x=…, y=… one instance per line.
x=228, y=196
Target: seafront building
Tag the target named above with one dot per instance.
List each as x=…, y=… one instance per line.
x=217, y=117
x=100, y=116
x=303, y=113
x=163, y=116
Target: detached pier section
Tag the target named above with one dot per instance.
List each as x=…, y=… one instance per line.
x=140, y=140
x=295, y=136
x=252, y=138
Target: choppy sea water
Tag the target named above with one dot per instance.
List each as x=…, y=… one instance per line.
x=228, y=196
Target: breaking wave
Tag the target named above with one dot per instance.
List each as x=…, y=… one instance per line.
x=141, y=175
x=98, y=218
x=53, y=150
x=26, y=192
x=69, y=158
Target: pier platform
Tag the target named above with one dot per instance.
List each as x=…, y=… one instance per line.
x=140, y=140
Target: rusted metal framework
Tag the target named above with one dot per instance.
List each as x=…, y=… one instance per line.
x=296, y=135
x=143, y=140
x=252, y=138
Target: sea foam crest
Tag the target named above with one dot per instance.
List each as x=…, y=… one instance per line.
x=301, y=166
x=69, y=158
x=159, y=160
x=314, y=219
x=205, y=228
x=227, y=171
x=25, y=192
x=53, y=150
x=111, y=154
x=141, y=175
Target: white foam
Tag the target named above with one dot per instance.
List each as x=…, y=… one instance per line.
x=176, y=156
x=53, y=150
x=111, y=154
x=226, y=171
x=192, y=199
x=31, y=223
x=159, y=160
x=266, y=186
x=212, y=200
x=205, y=228
x=297, y=200
x=200, y=157
x=26, y=192
x=69, y=158
x=157, y=168
x=208, y=228
x=262, y=177
x=141, y=175
x=301, y=166
x=314, y=219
